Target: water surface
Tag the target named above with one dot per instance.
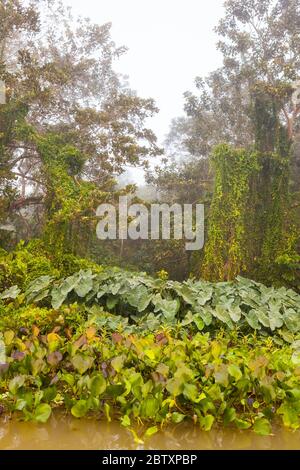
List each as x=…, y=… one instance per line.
x=65, y=432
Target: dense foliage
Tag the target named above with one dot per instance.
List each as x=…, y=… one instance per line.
x=241, y=304
x=91, y=362
x=82, y=327
x=168, y=351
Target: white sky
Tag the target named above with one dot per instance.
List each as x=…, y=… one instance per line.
x=170, y=42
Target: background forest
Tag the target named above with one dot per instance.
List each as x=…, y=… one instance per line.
x=71, y=126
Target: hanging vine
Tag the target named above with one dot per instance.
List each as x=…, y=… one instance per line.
x=249, y=228
x=225, y=249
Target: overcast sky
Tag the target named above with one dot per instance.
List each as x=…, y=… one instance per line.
x=170, y=42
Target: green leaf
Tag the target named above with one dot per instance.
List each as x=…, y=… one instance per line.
x=151, y=431
x=125, y=421
x=275, y=317
x=139, y=298
x=42, y=413
x=38, y=284
x=186, y=293
x=82, y=363
x=206, y=422
x=252, y=319
x=242, y=424
x=222, y=314
x=168, y=308
x=84, y=284
x=235, y=371
x=118, y=363
x=49, y=393
x=69, y=378
x=262, y=427
x=16, y=383
x=221, y=375
x=289, y=415
x=296, y=358
x=8, y=337
x=80, y=409
x=199, y=322
x=263, y=317
x=294, y=392
x=149, y=407
x=204, y=295
x=190, y=392
x=235, y=313
x=20, y=404
x=38, y=288
x=11, y=293
x=175, y=386
x=188, y=319
x=229, y=415
x=291, y=319
x=97, y=385
x=177, y=417
x=57, y=297
x=206, y=315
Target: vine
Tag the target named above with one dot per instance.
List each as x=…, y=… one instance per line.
x=249, y=227
x=225, y=250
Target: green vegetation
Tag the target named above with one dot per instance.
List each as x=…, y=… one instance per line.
x=143, y=331
x=242, y=304
x=127, y=346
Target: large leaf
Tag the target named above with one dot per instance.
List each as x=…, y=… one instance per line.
x=235, y=313
x=84, y=284
x=206, y=314
x=82, y=363
x=97, y=385
x=59, y=293
x=16, y=383
x=38, y=285
x=206, y=422
x=168, y=308
x=42, y=413
x=80, y=409
x=222, y=315
x=10, y=293
x=292, y=320
x=185, y=292
x=149, y=407
x=252, y=319
x=275, y=317
x=139, y=297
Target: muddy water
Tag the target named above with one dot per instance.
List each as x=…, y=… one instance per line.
x=68, y=433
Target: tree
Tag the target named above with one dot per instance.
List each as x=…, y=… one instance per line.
x=63, y=95
x=260, y=43
x=251, y=102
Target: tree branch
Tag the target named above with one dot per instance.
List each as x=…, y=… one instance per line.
x=30, y=178
x=22, y=202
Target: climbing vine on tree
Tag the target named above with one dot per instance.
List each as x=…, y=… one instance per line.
x=225, y=248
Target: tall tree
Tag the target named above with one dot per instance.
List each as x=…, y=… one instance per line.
x=65, y=105
x=260, y=42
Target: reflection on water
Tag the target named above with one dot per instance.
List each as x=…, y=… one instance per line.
x=63, y=432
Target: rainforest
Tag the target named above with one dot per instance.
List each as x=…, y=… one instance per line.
x=143, y=333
